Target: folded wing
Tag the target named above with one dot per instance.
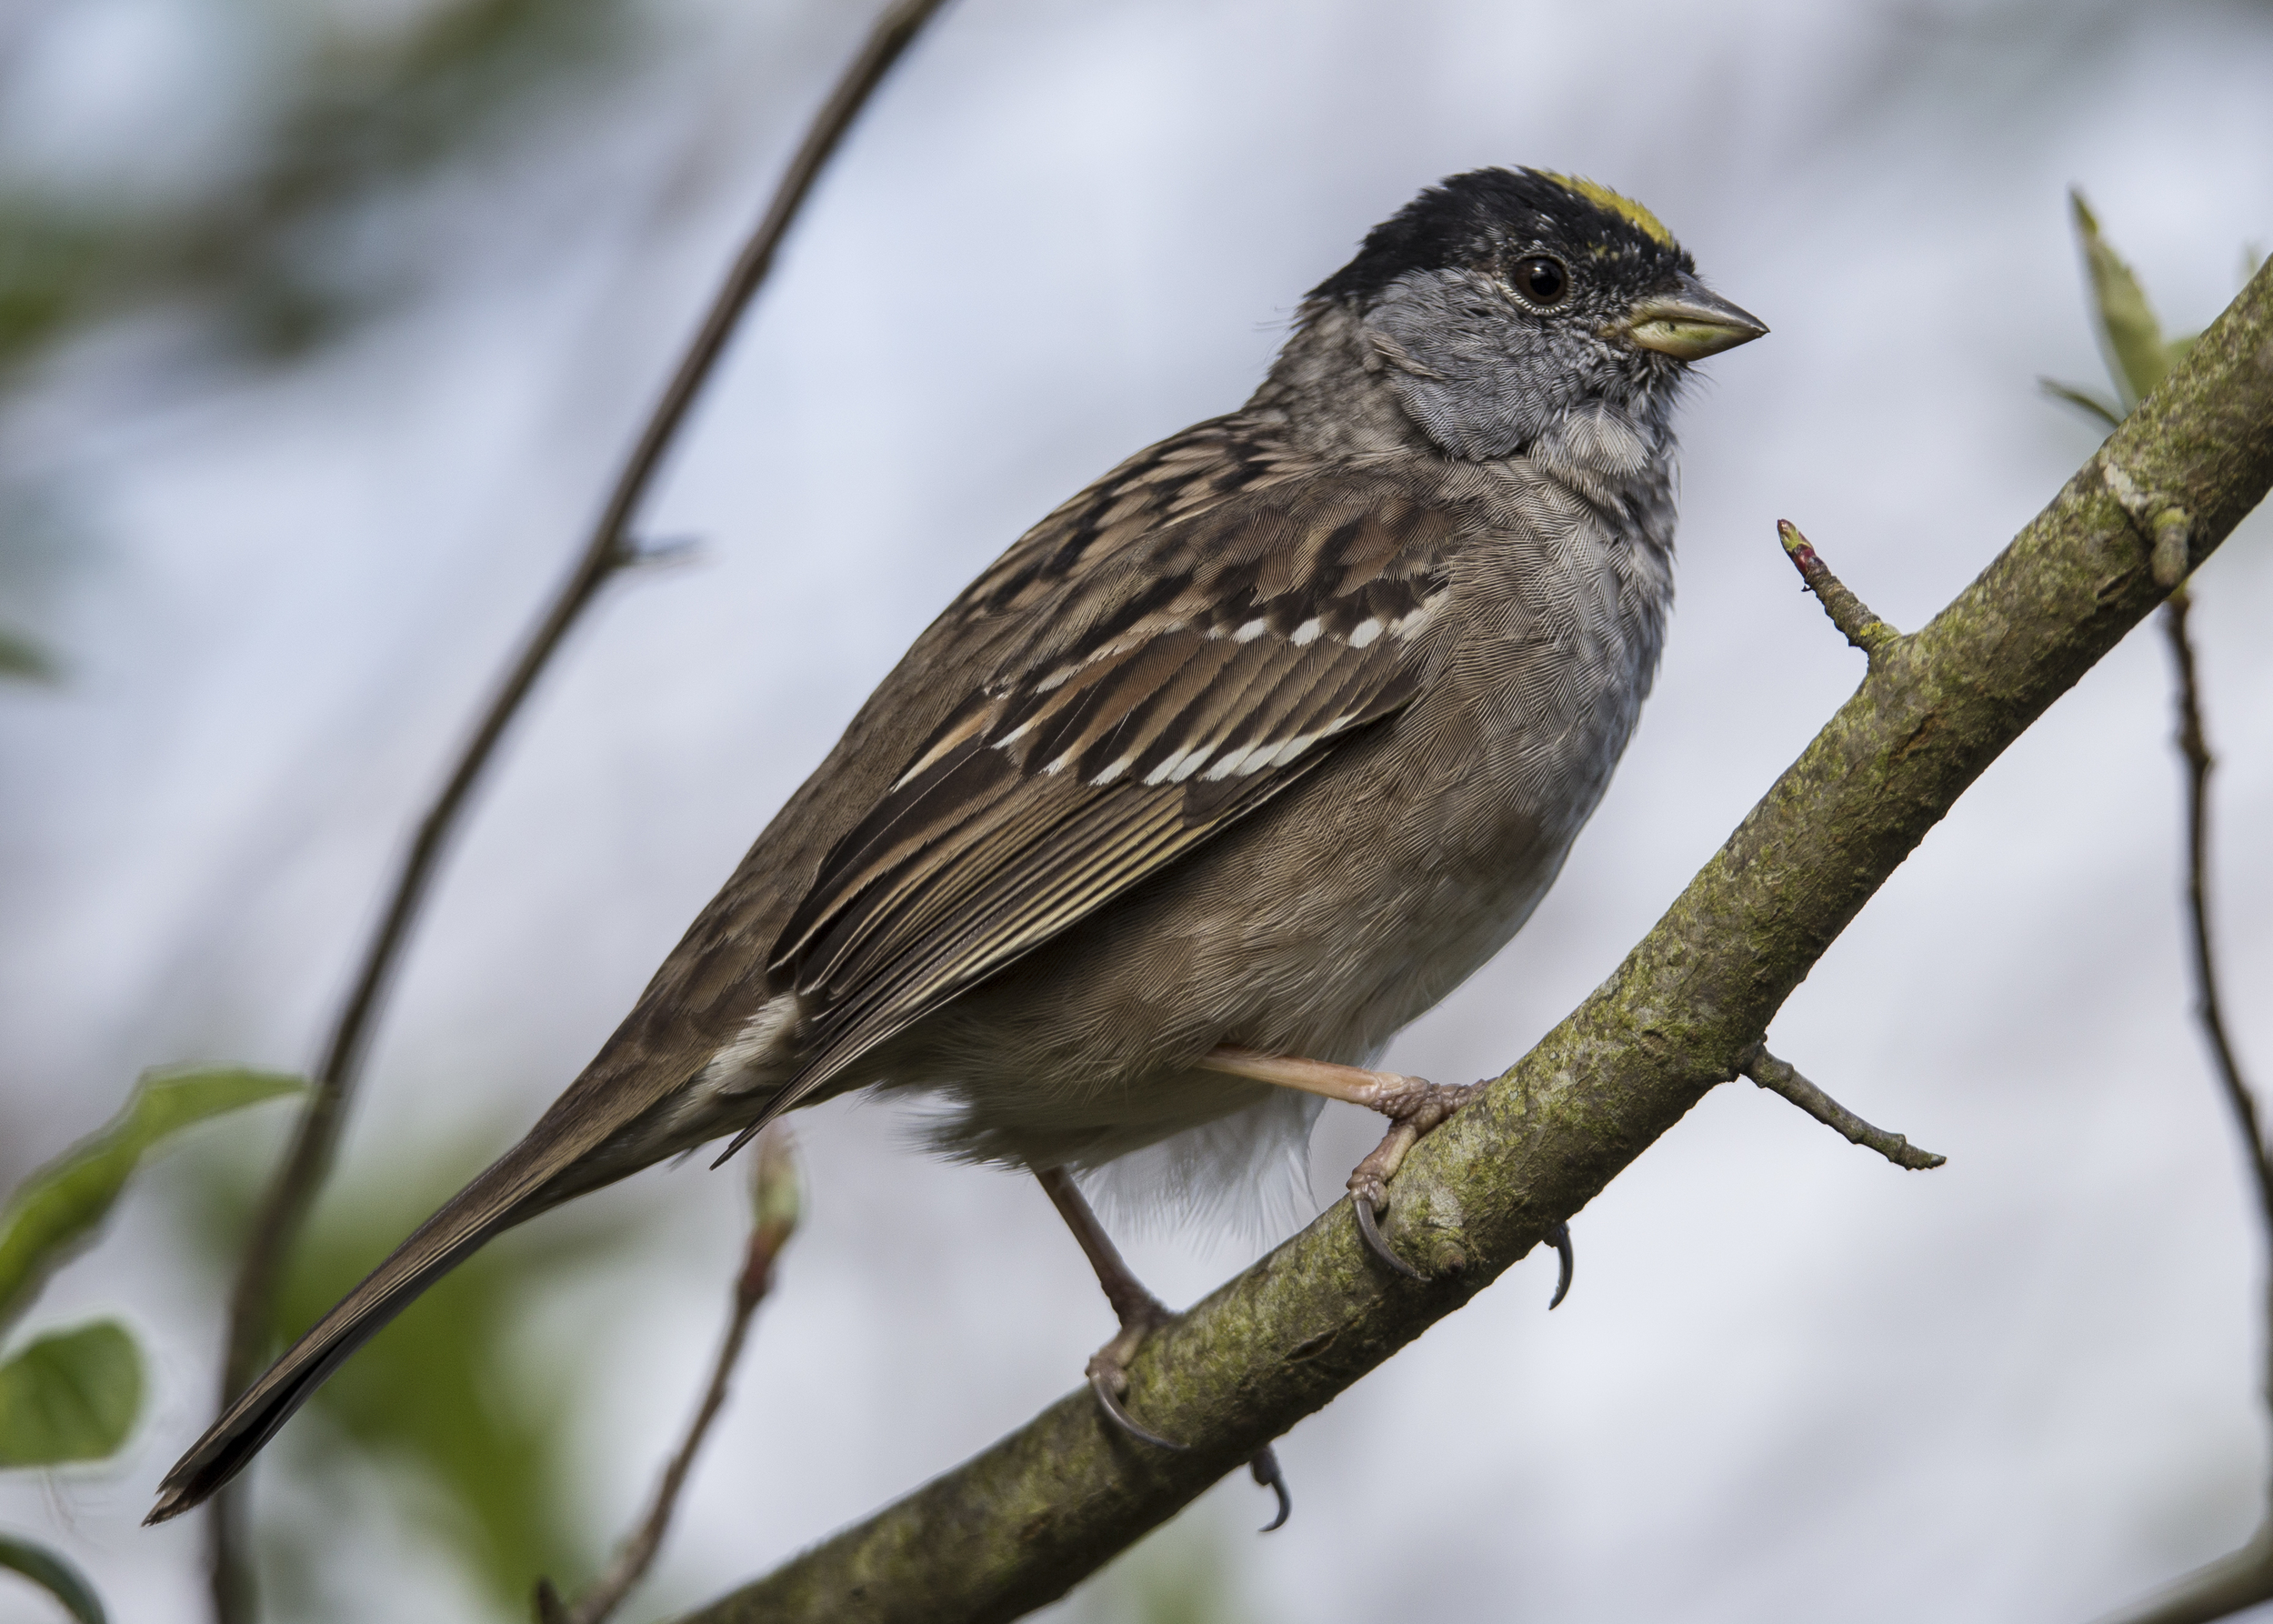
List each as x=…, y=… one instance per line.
x=1158, y=700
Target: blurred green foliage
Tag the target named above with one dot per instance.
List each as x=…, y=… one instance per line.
x=60, y=1209
x=75, y=1395
x=20, y=656
x=2138, y=356
x=295, y=228
x=1180, y=1574
x=1195, y=1590
x=267, y=244
x=51, y=1574
x=474, y=1425
x=70, y=1396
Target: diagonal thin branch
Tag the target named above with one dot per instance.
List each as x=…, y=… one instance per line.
x=1780, y=1077
x=2208, y=1007
x=284, y=1210
x=775, y=1197
x=2243, y=1578
x=1018, y=1525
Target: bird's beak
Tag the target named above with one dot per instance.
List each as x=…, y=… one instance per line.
x=1689, y=323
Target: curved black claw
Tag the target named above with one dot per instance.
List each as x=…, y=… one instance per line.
x=1370, y=1230
x=1559, y=1238
x=1265, y=1466
x=1101, y=1384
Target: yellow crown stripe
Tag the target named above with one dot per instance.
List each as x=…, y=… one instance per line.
x=1596, y=193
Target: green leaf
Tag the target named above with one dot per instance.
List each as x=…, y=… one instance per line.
x=58, y=1577
x=2105, y=411
x=2137, y=354
x=60, y=1207
x=475, y=1430
x=449, y=1389
x=70, y=1396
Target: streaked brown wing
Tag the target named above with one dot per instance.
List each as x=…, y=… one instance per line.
x=1154, y=699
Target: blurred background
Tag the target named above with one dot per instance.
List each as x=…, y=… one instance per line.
x=322, y=326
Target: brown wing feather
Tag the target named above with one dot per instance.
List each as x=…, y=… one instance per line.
x=1152, y=701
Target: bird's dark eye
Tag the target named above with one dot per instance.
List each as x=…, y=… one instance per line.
x=1542, y=279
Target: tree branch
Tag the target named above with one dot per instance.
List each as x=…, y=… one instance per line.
x=1019, y=1524
x=1778, y=1076
x=2244, y=1578
x=1857, y=623
x=284, y=1211
x=2208, y=1007
x=776, y=1200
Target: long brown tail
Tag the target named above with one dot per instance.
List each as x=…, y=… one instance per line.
x=629, y=1108
x=513, y=1188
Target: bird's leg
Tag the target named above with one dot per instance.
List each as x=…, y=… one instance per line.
x=1136, y=1308
x=1414, y=1107
x=1138, y=1311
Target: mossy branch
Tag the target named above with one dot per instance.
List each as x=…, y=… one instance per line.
x=1020, y=1523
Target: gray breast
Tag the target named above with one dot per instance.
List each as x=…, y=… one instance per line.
x=1340, y=913
x=1561, y=626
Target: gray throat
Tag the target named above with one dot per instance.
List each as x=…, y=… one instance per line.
x=1339, y=391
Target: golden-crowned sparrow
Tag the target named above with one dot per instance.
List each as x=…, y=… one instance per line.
x=1230, y=767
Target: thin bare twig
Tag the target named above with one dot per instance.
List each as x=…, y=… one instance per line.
x=1863, y=629
x=2243, y=1578
x=775, y=1198
x=2208, y=1008
x=1779, y=1077
x=284, y=1210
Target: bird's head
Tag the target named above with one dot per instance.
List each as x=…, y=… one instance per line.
x=1500, y=302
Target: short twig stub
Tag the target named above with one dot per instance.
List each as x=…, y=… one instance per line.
x=1779, y=1077
x=1863, y=629
x=2166, y=526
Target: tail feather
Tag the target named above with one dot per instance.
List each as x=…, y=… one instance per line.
x=643, y=1100
x=512, y=1188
